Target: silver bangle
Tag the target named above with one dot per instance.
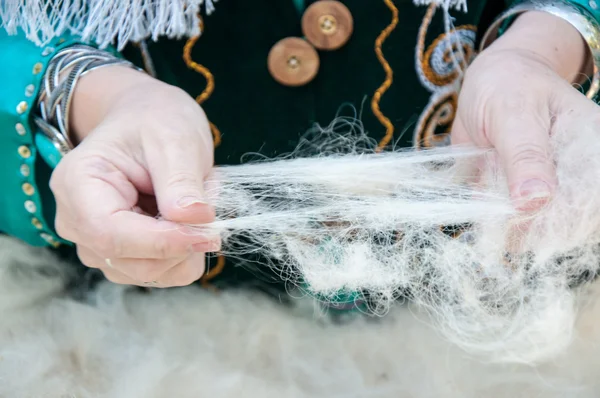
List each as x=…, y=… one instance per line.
x=59, y=82
x=588, y=27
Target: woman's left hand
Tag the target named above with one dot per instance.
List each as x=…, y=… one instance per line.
x=514, y=92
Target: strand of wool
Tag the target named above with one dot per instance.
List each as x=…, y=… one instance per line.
x=435, y=226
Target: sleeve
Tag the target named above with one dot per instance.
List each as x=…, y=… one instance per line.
x=27, y=206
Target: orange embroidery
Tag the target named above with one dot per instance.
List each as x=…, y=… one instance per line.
x=205, y=95
x=389, y=127
x=440, y=68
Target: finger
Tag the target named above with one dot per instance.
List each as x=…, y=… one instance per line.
x=185, y=273
x=131, y=235
x=180, y=163
x=522, y=140
x=180, y=272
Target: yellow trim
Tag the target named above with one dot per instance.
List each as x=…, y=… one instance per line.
x=200, y=99
x=389, y=133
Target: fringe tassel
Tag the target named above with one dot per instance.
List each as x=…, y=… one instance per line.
x=107, y=22
x=460, y=5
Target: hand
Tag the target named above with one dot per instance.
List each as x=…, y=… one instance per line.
x=512, y=95
x=145, y=150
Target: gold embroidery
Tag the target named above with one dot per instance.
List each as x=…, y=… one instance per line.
x=389, y=133
x=204, y=95
x=204, y=71
x=440, y=69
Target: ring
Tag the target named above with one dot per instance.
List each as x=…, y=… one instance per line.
x=108, y=262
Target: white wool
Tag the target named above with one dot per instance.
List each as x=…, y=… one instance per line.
x=372, y=223
x=115, y=22
x=189, y=342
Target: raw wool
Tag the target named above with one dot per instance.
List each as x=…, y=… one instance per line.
x=107, y=22
x=122, y=343
x=374, y=223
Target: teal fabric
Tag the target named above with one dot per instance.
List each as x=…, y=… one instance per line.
x=27, y=213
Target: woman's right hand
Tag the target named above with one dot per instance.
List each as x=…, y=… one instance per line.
x=145, y=149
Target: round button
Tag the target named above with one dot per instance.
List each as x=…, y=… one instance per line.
x=24, y=152
x=327, y=24
x=293, y=62
x=28, y=189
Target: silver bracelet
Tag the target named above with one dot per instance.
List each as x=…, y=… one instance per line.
x=588, y=27
x=59, y=82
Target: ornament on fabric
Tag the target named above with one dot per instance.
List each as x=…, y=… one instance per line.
x=460, y=5
x=106, y=22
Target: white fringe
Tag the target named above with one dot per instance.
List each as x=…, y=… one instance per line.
x=107, y=22
x=460, y=5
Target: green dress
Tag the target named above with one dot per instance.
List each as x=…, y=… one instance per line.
x=397, y=53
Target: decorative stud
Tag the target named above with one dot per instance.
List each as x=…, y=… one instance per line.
x=47, y=51
x=49, y=239
x=29, y=90
x=37, y=223
x=30, y=206
x=24, y=152
x=28, y=189
x=20, y=129
x=593, y=4
x=25, y=170
x=37, y=68
x=22, y=107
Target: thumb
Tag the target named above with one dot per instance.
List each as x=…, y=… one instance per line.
x=178, y=170
x=522, y=140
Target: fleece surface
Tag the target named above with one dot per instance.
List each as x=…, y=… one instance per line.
x=190, y=342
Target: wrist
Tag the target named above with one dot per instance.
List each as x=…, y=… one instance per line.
x=551, y=39
x=97, y=92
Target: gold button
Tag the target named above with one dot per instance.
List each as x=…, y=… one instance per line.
x=37, y=68
x=29, y=90
x=28, y=189
x=22, y=107
x=30, y=206
x=293, y=62
x=47, y=51
x=37, y=223
x=25, y=170
x=327, y=24
x=20, y=129
x=24, y=152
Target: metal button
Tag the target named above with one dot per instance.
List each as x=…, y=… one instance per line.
x=22, y=107
x=37, y=68
x=24, y=152
x=327, y=24
x=37, y=223
x=20, y=129
x=293, y=62
x=30, y=206
x=29, y=90
x=49, y=239
x=28, y=189
x=47, y=51
x=25, y=170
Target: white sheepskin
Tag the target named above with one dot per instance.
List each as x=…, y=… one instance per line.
x=191, y=342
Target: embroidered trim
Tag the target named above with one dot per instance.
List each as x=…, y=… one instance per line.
x=200, y=99
x=440, y=69
x=389, y=133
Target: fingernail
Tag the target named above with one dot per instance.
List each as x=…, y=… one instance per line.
x=534, y=189
x=188, y=201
